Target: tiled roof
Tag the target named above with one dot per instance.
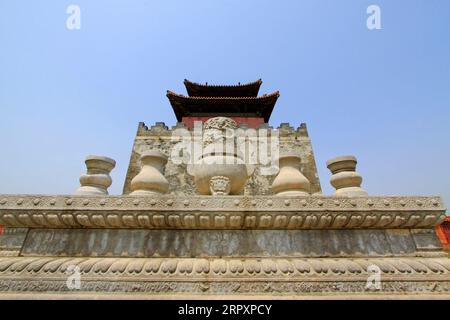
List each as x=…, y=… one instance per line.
x=207, y=90
x=223, y=106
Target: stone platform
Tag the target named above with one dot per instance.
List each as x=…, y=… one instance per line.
x=168, y=247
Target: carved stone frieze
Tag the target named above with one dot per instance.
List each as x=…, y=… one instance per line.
x=220, y=212
x=225, y=276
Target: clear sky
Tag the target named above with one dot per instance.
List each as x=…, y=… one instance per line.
x=382, y=95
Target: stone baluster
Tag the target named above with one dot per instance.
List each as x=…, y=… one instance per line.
x=290, y=181
x=97, y=180
x=345, y=179
x=150, y=180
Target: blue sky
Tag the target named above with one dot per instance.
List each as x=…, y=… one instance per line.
x=382, y=95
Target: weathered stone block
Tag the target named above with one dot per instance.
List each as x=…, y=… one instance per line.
x=218, y=243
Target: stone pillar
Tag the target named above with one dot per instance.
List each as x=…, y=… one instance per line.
x=150, y=180
x=290, y=181
x=345, y=179
x=97, y=180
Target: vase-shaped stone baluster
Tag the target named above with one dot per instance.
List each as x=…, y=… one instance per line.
x=97, y=180
x=290, y=181
x=150, y=180
x=345, y=179
x=221, y=169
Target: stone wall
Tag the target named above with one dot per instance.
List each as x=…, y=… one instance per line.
x=229, y=243
x=273, y=246
x=11, y=241
x=159, y=137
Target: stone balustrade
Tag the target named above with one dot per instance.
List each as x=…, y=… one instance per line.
x=345, y=179
x=150, y=180
x=290, y=181
x=97, y=180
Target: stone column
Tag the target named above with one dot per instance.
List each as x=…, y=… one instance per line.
x=97, y=179
x=345, y=179
x=150, y=180
x=290, y=181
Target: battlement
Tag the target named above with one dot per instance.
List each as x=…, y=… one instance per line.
x=161, y=129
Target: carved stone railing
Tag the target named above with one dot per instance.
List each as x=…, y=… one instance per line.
x=220, y=212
